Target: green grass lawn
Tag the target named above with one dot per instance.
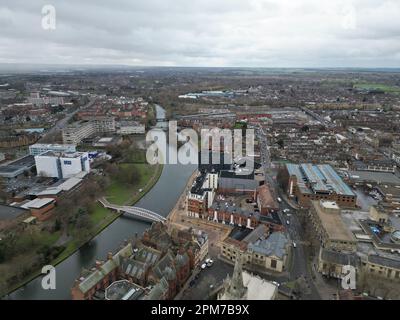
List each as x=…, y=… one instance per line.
x=120, y=193
x=98, y=214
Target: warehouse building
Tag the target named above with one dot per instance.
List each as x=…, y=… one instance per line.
x=308, y=182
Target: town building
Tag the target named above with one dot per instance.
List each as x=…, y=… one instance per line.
x=381, y=266
x=131, y=127
x=201, y=194
x=308, y=182
x=62, y=165
x=77, y=131
x=157, y=265
x=330, y=229
x=265, y=200
x=40, y=207
x=100, y=123
x=260, y=250
x=331, y=263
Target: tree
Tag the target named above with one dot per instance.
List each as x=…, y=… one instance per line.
x=282, y=178
x=281, y=143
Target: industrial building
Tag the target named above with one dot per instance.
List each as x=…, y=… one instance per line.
x=39, y=148
x=307, y=182
x=62, y=165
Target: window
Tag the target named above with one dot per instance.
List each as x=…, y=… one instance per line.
x=273, y=263
x=67, y=162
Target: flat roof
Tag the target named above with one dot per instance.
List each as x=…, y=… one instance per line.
x=10, y=212
x=52, y=145
x=377, y=177
x=69, y=184
x=333, y=224
x=59, y=154
x=16, y=167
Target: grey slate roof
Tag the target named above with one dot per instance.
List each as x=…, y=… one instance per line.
x=340, y=257
x=274, y=245
x=384, y=261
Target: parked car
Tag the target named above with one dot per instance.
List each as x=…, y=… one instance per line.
x=203, y=266
x=286, y=210
x=210, y=263
x=294, y=244
x=279, y=200
x=287, y=222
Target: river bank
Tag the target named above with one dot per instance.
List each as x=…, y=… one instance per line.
x=72, y=246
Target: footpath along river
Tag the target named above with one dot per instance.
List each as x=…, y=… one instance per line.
x=160, y=199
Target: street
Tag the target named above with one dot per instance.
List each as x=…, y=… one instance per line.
x=64, y=121
x=299, y=263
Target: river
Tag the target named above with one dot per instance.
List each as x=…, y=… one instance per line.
x=161, y=199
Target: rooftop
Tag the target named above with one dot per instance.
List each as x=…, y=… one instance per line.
x=10, y=212
x=318, y=179
x=61, y=154
x=373, y=176
x=258, y=288
x=38, y=203
x=123, y=290
x=332, y=223
x=274, y=245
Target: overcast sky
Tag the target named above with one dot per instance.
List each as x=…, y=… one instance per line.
x=252, y=33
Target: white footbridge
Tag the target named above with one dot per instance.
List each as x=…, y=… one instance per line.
x=134, y=212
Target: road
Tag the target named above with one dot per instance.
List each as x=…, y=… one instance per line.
x=299, y=262
x=64, y=121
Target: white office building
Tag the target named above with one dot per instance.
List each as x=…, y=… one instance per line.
x=76, y=132
x=62, y=165
x=39, y=148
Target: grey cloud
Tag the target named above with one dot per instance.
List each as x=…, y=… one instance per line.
x=266, y=33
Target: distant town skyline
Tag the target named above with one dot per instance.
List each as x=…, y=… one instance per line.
x=202, y=33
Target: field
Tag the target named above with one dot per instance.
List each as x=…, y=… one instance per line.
x=377, y=86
